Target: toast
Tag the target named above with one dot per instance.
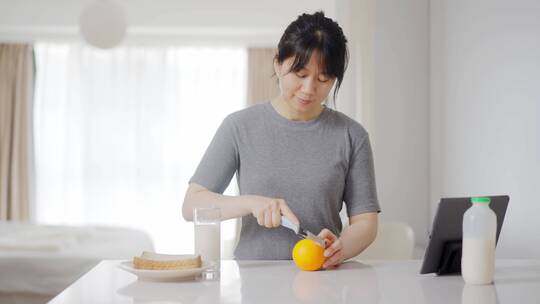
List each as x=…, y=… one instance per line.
x=157, y=261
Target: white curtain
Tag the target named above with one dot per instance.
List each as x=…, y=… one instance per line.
x=119, y=133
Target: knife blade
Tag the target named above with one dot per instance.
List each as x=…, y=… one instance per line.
x=301, y=232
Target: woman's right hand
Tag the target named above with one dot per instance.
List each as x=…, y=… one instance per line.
x=268, y=211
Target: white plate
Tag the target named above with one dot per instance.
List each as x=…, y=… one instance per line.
x=163, y=275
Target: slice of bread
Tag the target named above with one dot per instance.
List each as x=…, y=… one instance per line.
x=157, y=261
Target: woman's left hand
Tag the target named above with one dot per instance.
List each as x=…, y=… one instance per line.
x=333, y=252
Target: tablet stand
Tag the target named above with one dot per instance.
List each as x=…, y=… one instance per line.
x=451, y=258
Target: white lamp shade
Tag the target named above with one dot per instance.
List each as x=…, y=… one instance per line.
x=103, y=24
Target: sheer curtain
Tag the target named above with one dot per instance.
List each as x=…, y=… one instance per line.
x=119, y=133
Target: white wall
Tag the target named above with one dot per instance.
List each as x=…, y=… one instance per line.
x=388, y=78
x=245, y=22
x=347, y=99
x=399, y=111
x=485, y=110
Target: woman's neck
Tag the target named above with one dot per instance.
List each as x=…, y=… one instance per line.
x=283, y=109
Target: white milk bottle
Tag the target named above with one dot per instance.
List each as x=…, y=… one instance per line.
x=478, y=251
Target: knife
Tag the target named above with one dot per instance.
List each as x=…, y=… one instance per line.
x=301, y=232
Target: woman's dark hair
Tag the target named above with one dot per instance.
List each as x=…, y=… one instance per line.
x=311, y=32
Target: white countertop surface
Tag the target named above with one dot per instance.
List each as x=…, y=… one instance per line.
x=516, y=281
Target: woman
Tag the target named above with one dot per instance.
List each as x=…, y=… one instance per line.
x=294, y=156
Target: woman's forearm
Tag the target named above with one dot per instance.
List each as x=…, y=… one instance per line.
x=267, y=210
x=359, y=235
x=199, y=197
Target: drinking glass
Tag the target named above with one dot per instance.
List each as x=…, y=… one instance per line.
x=207, y=223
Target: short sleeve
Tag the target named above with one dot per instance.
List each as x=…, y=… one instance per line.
x=220, y=161
x=360, y=194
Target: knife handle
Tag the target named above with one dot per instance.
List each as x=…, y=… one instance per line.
x=287, y=223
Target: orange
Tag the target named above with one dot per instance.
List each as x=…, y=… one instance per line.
x=308, y=255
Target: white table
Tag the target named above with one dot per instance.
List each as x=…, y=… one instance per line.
x=516, y=281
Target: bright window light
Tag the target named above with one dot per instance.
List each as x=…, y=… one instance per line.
x=119, y=133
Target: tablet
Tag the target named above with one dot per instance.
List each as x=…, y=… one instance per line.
x=443, y=253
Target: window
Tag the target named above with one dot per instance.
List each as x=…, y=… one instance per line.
x=119, y=133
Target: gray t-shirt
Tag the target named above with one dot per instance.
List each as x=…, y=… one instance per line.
x=314, y=166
